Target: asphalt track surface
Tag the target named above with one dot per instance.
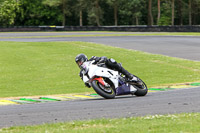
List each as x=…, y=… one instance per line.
x=186, y=47
x=168, y=102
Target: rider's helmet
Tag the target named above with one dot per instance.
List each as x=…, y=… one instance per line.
x=80, y=59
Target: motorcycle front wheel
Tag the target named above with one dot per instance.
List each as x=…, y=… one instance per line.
x=107, y=93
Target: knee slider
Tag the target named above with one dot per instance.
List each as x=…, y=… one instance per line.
x=112, y=61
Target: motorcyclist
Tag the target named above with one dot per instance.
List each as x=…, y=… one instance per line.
x=110, y=63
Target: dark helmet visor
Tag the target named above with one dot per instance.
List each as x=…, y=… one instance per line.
x=79, y=63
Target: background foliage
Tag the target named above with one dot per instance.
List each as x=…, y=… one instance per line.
x=98, y=12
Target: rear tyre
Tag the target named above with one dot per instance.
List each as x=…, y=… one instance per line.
x=107, y=93
x=141, y=88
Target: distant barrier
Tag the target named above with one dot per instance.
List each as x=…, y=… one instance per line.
x=102, y=28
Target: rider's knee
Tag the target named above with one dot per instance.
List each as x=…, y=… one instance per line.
x=113, y=64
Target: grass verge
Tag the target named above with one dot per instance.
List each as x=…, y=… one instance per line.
x=185, y=122
x=94, y=34
x=46, y=68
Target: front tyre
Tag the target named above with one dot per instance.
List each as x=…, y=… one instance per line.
x=107, y=93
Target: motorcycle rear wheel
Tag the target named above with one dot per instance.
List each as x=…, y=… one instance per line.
x=141, y=88
x=101, y=90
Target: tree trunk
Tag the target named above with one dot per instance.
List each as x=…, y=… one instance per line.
x=158, y=12
x=172, y=12
x=150, y=17
x=63, y=9
x=97, y=12
x=195, y=14
x=180, y=12
x=136, y=20
x=115, y=12
x=81, y=17
x=190, y=12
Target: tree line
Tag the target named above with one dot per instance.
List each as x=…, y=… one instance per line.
x=99, y=12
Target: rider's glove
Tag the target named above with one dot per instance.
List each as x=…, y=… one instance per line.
x=96, y=59
x=81, y=74
x=101, y=61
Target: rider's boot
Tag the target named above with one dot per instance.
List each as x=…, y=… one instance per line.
x=128, y=75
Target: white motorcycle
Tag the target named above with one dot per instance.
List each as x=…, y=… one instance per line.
x=109, y=83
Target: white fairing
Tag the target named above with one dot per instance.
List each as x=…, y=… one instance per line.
x=94, y=70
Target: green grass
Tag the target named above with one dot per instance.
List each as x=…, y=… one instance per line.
x=45, y=68
x=177, y=123
x=114, y=34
